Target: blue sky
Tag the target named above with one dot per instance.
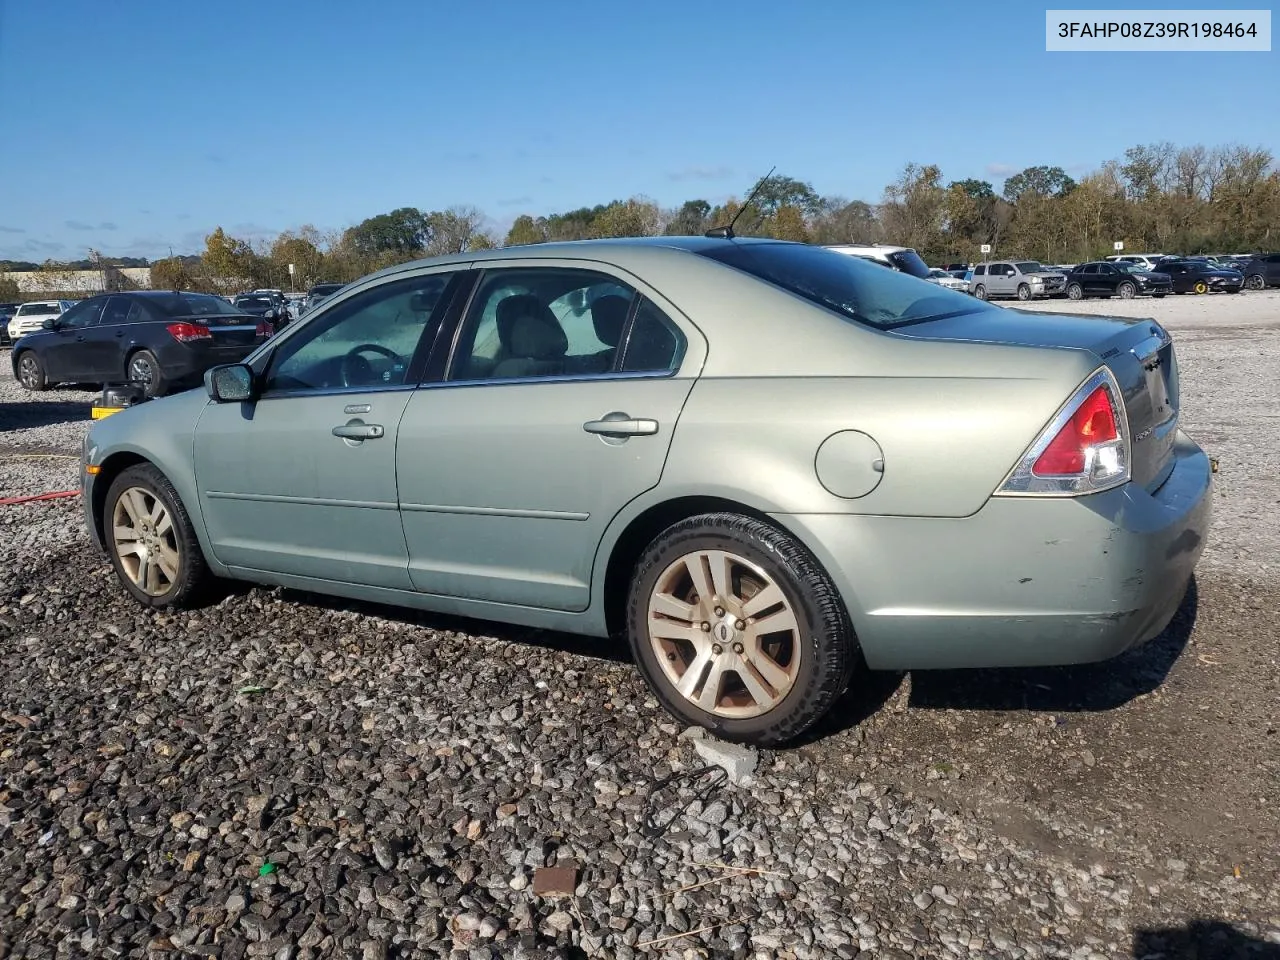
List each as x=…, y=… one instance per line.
x=135, y=126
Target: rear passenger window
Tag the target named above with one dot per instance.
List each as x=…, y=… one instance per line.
x=654, y=345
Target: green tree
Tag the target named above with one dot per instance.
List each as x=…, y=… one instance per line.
x=405, y=230
x=170, y=274
x=454, y=230
x=525, y=230
x=788, y=224
x=636, y=217
x=690, y=220
x=1042, y=181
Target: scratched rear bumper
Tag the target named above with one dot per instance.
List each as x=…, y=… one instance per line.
x=1024, y=581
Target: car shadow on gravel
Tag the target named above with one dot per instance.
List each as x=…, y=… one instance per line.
x=44, y=413
x=615, y=651
x=1091, y=687
x=1202, y=940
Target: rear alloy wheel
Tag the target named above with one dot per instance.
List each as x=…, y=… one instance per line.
x=1075, y=291
x=31, y=372
x=1127, y=291
x=737, y=628
x=152, y=544
x=1256, y=282
x=1024, y=292
x=1200, y=287
x=980, y=292
x=144, y=370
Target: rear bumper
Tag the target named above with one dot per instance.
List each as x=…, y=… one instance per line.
x=1022, y=582
x=187, y=362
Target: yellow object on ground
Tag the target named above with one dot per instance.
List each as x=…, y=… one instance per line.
x=98, y=412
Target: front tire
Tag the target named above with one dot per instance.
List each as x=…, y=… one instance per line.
x=1256, y=282
x=31, y=372
x=1024, y=292
x=150, y=539
x=736, y=628
x=1127, y=291
x=144, y=369
x=1200, y=287
x=1075, y=291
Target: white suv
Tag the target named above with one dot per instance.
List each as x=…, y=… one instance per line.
x=30, y=317
x=1147, y=261
x=903, y=259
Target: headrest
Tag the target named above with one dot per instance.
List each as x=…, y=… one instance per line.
x=608, y=316
x=512, y=308
x=538, y=337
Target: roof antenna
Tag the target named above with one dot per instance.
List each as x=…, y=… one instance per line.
x=726, y=233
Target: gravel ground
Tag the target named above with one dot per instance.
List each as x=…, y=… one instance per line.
x=280, y=775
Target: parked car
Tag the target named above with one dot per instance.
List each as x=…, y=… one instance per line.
x=437, y=436
x=944, y=279
x=7, y=311
x=1261, y=271
x=903, y=259
x=30, y=317
x=1024, y=279
x=1146, y=260
x=318, y=293
x=1115, y=279
x=1200, y=276
x=262, y=305
x=161, y=340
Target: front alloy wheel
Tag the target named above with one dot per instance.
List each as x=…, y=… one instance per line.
x=1075, y=292
x=1201, y=287
x=1256, y=282
x=1127, y=291
x=31, y=372
x=149, y=536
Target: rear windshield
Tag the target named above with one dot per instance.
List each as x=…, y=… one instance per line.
x=908, y=261
x=253, y=301
x=853, y=288
x=324, y=289
x=40, y=309
x=192, y=305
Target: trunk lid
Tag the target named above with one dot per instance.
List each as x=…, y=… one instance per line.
x=227, y=330
x=1139, y=354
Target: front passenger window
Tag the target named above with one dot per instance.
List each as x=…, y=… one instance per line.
x=368, y=340
x=83, y=314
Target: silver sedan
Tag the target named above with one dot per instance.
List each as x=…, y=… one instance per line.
x=763, y=465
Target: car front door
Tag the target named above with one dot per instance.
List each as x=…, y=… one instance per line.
x=557, y=409
x=999, y=275
x=66, y=351
x=1107, y=280
x=303, y=480
x=103, y=341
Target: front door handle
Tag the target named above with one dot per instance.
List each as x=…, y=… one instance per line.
x=621, y=425
x=359, y=431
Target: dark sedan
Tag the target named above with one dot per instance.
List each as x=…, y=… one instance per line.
x=1200, y=276
x=162, y=340
x=1125, y=280
x=262, y=305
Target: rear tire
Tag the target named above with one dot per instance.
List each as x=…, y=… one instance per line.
x=1075, y=291
x=1024, y=292
x=765, y=656
x=1200, y=287
x=31, y=372
x=1127, y=291
x=144, y=368
x=980, y=292
x=151, y=541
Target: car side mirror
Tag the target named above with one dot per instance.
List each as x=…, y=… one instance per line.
x=229, y=383
x=50, y=324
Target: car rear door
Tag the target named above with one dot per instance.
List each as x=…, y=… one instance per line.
x=104, y=341
x=302, y=482
x=557, y=409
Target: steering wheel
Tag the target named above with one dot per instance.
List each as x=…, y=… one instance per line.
x=356, y=370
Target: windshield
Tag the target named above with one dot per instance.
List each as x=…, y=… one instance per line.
x=1133, y=267
x=1029, y=266
x=40, y=310
x=908, y=261
x=851, y=287
x=324, y=289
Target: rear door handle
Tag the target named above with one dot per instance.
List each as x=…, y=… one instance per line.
x=359, y=431
x=620, y=425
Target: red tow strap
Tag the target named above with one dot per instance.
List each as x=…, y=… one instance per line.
x=56, y=495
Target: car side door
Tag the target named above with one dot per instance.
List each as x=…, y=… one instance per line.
x=557, y=409
x=104, y=340
x=997, y=280
x=301, y=482
x=1107, y=279
x=65, y=351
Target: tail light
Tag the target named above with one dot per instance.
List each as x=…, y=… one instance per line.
x=186, y=332
x=1084, y=449
x=264, y=329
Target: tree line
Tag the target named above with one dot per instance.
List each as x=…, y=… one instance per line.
x=1158, y=197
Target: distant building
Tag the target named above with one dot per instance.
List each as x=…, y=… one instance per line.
x=86, y=282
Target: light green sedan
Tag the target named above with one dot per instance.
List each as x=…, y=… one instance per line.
x=765, y=465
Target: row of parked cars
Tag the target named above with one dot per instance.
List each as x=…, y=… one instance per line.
x=158, y=340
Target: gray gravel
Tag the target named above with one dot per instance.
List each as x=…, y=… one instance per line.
x=280, y=775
